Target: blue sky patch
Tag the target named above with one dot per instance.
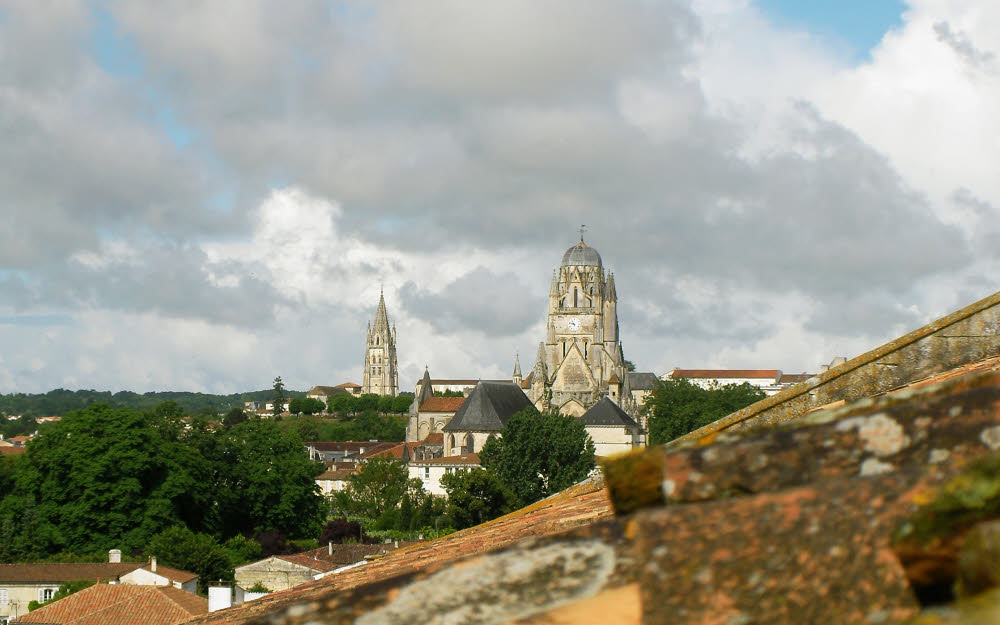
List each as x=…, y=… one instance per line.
x=858, y=24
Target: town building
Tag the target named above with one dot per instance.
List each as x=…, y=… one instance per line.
x=380, y=374
x=771, y=381
x=482, y=416
x=120, y=604
x=611, y=429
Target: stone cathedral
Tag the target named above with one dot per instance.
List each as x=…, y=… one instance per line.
x=581, y=358
x=381, y=375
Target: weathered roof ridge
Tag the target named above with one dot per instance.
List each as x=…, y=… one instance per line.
x=811, y=393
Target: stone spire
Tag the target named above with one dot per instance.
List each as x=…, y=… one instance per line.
x=554, y=288
x=516, y=378
x=381, y=317
x=611, y=293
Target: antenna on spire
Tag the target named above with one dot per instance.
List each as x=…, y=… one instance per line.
x=582, y=228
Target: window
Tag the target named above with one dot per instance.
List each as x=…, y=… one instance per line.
x=45, y=594
x=4, y=597
x=427, y=473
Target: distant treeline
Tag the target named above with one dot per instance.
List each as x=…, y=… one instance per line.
x=61, y=401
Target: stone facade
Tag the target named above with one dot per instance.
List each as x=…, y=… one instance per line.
x=581, y=355
x=380, y=376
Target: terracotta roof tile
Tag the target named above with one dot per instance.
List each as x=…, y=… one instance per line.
x=12, y=450
x=465, y=459
x=120, y=604
x=442, y=404
x=577, y=506
x=715, y=374
x=58, y=572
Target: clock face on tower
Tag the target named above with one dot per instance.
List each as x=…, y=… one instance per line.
x=574, y=324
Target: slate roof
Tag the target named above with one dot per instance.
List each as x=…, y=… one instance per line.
x=120, y=604
x=581, y=254
x=607, y=412
x=58, y=572
x=488, y=407
x=641, y=380
x=442, y=404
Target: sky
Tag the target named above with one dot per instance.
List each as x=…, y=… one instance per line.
x=203, y=196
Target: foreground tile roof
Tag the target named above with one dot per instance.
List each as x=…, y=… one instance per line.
x=578, y=506
x=120, y=604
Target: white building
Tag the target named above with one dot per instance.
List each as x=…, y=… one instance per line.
x=430, y=472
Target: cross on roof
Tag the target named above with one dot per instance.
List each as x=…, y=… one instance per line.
x=582, y=228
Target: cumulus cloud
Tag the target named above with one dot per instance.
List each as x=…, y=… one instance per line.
x=263, y=171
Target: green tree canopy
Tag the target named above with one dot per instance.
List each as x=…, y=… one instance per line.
x=476, y=496
x=183, y=549
x=676, y=406
x=306, y=405
x=539, y=454
x=267, y=481
x=379, y=486
x=279, y=396
x=111, y=477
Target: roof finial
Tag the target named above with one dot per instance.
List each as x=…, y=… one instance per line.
x=582, y=228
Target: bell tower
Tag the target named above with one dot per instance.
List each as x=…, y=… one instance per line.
x=380, y=375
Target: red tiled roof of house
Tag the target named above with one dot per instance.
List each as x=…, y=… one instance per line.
x=348, y=385
x=337, y=474
x=58, y=572
x=383, y=450
x=576, y=506
x=442, y=404
x=19, y=439
x=469, y=459
x=11, y=450
x=715, y=374
x=437, y=438
x=121, y=604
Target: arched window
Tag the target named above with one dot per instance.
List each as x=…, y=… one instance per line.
x=451, y=441
x=470, y=443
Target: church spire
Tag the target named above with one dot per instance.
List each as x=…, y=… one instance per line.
x=612, y=294
x=517, y=369
x=554, y=287
x=381, y=317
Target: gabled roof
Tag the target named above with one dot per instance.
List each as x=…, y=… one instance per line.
x=715, y=374
x=347, y=385
x=488, y=407
x=59, y=572
x=607, y=412
x=641, y=380
x=174, y=575
x=383, y=450
x=121, y=604
x=325, y=390
x=442, y=404
x=464, y=459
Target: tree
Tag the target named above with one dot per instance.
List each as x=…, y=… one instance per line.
x=676, y=406
x=306, y=405
x=368, y=401
x=379, y=486
x=267, y=481
x=340, y=530
x=108, y=477
x=476, y=496
x=629, y=365
x=233, y=418
x=279, y=396
x=183, y=549
x=342, y=403
x=401, y=403
x=539, y=454
x=242, y=550
x=385, y=403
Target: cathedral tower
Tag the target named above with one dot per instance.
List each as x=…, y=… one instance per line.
x=581, y=356
x=380, y=375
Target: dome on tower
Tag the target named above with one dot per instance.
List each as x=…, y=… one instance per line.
x=581, y=254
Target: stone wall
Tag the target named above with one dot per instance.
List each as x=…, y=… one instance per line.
x=963, y=337
x=275, y=574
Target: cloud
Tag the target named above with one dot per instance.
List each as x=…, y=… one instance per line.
x=759, y=197
x=481, y=301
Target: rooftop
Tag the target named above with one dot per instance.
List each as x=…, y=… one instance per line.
x=581, y=254
x=120, y=604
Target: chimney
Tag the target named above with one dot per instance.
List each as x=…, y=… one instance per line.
x=152, y=564
x=220, y=596
x=115, y=556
